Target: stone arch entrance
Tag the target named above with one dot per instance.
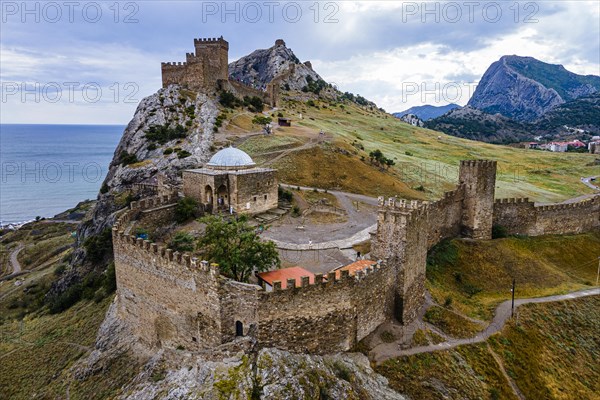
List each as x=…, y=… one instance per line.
x=239, y=328
x=222, y=196
x=208, y=195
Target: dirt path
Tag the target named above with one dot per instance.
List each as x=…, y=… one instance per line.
x=14, y=259
x=510, y=381
x=385, y=351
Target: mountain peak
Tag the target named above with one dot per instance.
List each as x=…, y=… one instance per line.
x=525, y=88
x=261, y=66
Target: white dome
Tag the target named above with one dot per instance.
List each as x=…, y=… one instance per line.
x=231, y=158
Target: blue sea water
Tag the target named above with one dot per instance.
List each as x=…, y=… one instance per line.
x=47, y=169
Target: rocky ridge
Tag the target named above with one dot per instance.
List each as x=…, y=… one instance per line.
x=524, y=88
x=235, y=371
x=261, y=66
x=173, y=106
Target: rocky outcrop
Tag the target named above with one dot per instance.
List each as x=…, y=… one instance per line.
x=138, y=160
x=262, y=66
x=412, y=120
x=235, y=370
x=524, y=88
x=270, y=374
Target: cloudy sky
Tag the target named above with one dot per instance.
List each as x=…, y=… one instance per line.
x=90, y=62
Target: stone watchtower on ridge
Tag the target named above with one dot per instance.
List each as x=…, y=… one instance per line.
x=479, y=180
x=202, y=69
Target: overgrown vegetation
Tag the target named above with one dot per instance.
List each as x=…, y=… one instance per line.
x=236, y=247
x=261, y=120
x=477, y=275
x=186, y=209
x=99, y=247
x=126, y=158
x=164, y=133
x=254, y=103
x=314, y=86
x=182, y=241
x=377, y=157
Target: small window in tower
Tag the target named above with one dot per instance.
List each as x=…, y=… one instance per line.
x=254, y=198
x=265, y=196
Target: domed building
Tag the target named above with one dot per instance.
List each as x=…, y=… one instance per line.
x=231, y=182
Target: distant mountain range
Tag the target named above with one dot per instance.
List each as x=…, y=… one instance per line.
x=427, y=111
x=519, y=98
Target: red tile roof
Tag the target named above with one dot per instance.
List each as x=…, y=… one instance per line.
x=355, y=266
x=286, y=273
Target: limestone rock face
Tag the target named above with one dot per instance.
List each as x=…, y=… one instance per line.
x=524, y=88
x=270, y=375
x=412, y=119
x=172, y=106
x=261, y=66
x=196, y=112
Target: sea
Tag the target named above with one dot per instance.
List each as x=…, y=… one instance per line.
x=47, y=169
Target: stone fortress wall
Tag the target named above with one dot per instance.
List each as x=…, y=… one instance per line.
x=208, y=69
x=171, y=299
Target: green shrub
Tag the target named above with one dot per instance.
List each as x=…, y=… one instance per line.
x=261, y=120
x=183, y=154
x=186, y=209
x=182, y=241
x=254, y=103
x=387, y=337
x=295, y=211
x=228, y=99
x=168, y=151
x=284, y=194
x=151, y=147
x=125, y=158
x=99, y=247
x=60, y=269
x=104, y=188
x=498, y=232
x=163, y=133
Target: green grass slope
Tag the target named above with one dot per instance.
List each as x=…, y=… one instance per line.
x=425, y=160
x=550, y=353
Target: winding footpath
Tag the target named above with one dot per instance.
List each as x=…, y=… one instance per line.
x=385, y=351
x=16, y=265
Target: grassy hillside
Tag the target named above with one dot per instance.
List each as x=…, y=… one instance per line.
x=551, y=353
x=474, y=276
x=426, y=162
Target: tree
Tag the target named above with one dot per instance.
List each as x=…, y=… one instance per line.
x=182, y=241
x=186, y=209
x=261, y=120
x=236, y=247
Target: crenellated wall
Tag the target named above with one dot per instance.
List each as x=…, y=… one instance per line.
x=522, y=217
x=171, y=299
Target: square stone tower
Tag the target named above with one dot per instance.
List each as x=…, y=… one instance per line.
x=479, y=180
x=204, y=68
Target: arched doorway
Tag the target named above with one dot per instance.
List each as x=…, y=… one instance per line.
x=239, y=328
x=222, y=197
x=208, y=195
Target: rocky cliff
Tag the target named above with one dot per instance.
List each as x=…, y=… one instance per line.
x=232, y=371
x=524, y=88
x=261, y=66
x=171, y=130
